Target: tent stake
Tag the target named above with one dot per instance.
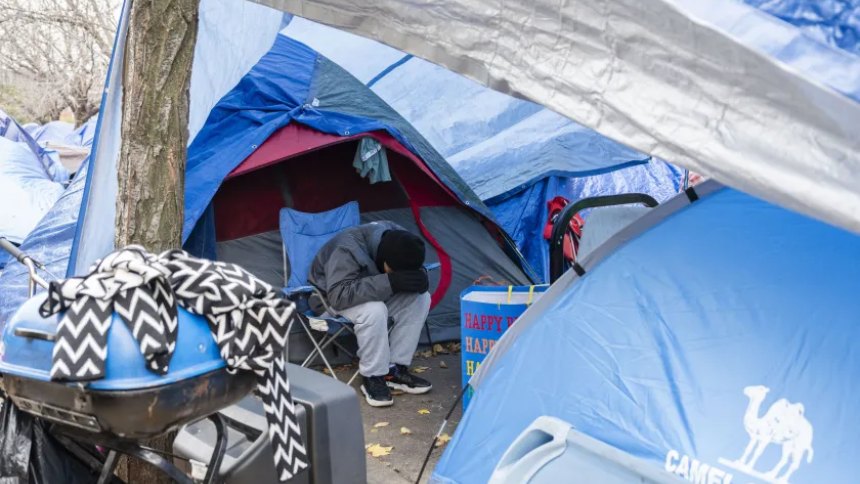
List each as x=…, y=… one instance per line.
x=438, y=433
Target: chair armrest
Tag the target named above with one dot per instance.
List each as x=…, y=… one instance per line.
x=291, y=292
x=432, y=266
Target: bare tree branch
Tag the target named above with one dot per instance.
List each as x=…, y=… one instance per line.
x=54, y=54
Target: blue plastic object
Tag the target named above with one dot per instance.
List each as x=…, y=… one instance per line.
x=196, y=352
x=304, y=234
x=551, y=451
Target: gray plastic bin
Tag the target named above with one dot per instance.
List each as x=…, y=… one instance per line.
x=551, y=451
x=330, y=419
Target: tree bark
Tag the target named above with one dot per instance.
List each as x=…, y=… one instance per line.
x=151, y=166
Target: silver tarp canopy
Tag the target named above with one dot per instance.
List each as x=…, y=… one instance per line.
x=706, y=84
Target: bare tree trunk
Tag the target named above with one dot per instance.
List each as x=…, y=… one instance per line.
x=159, y=51
x=151, y=169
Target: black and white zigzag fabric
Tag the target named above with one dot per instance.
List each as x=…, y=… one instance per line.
x=249, y=322
x=134, y=284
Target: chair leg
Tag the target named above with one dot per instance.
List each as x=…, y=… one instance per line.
x=427, y=331
x=320, y=348
x=316, y=351
x=287, y=344
x=353, y=378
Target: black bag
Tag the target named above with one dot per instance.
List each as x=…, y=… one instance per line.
x=30, y=454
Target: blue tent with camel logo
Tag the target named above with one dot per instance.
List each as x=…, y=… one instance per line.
x=714, y=338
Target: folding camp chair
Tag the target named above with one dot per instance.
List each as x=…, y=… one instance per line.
x=303, y=236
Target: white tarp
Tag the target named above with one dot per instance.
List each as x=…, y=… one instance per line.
x=652, y=74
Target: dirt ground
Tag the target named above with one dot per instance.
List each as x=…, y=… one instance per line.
x=407, y=427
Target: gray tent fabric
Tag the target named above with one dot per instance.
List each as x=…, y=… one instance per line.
x=259, y=254
x=351, y=96
x=474, y=255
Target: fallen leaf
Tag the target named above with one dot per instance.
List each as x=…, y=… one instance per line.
x=425, y=354
x=420, y=369
x=454, y=347
x=380, y=424
x=442, y=364
x=405, y=431
x=442, y=440
x=377, y=450
x=397, y=392
x=437, y=348
x=424, y=411
x=373, y=431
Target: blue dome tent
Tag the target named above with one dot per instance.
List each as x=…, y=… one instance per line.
x=651, y=350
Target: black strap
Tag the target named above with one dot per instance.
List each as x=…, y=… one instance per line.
x=580, y=271
x=691, y=194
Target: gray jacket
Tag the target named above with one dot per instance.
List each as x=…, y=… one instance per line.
x=345, y=268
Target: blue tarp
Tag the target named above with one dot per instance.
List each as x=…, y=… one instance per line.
x=84, y=134
x=52, y=132
x=676, y=345
x=31, y=181
x=13, y=131
x=832, y=22
x=26, y=190
x=50, y=243
x=817, y=38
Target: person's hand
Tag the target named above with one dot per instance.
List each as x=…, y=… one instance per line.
x=409, y=281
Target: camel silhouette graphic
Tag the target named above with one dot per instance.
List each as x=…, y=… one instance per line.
x=783, y=424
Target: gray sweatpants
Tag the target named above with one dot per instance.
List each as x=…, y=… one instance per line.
x=377, y=349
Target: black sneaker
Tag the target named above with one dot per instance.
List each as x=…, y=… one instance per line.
x=399, y=378
x=376, y=392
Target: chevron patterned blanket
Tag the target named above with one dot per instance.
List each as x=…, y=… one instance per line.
x=249, y=321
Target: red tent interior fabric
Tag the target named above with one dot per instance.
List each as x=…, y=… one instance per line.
x=311, y=171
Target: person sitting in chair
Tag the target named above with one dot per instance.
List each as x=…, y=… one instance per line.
x=367, y=274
